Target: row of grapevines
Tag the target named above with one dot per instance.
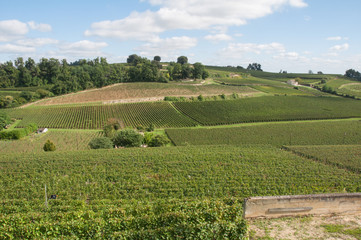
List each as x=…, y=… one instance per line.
x=174, y=219
x=278, y=134
x=270, y=108
x=161, y=114
x=172, y=172
x=348, y=157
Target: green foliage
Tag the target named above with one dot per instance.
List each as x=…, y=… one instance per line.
x=137, y=219
x=151, y=127
x=277, y=134
x=182, y=60
x=18, y=133
x=42, y=93
x=49, y=146
x=4, y=120
x=342, y=156
x=158, y=141
x=28, y=96
x=270, y=108
x=101, y=143
x=147, y=138
x=128, y=138
x=162, y=114
x=168, y=173
x=157, y=58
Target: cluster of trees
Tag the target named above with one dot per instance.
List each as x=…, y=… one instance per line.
x=56, y=77
x=115, y=137
x=254, y=67
x=183, y=70
x=351, y=73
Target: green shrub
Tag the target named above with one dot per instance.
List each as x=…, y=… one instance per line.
x=18, y=133
x=49, y=146
x=128, y=138
x=101, y=143
x=158, y=141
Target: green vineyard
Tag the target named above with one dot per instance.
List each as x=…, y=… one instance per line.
x=278, y=134
x=172, y=172
x=161, y=219
x=161, y=114
x=270, y=108
x=347, y=157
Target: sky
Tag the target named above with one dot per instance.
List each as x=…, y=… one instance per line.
x=287, y=35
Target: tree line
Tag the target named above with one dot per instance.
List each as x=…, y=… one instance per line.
x=54, y=77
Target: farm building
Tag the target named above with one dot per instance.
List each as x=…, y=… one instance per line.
x=292, y=82
x=42, y=130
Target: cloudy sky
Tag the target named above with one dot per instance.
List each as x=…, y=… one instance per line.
x=292, y=35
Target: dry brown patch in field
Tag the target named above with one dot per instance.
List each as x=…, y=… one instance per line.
x=310, y=227
x=130, y=92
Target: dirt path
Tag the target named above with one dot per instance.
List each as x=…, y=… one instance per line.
x=326, y=227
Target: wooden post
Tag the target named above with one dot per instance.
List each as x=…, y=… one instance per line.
x=46, y=198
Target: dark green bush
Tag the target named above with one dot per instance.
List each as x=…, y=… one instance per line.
x=128, y=138
x=49, y=146
x=101, y=143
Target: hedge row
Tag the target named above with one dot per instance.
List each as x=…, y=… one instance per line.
x=18, y=133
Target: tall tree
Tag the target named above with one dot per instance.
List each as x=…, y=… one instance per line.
x=182, y=60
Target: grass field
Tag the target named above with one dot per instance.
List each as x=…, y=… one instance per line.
x=270, y=108
x=277, y=134
x=64, y=140
x=145, y=91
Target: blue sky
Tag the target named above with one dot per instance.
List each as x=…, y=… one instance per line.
x=292, y=35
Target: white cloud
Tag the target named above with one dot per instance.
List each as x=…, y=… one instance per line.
x=218, y=37
x=187, y=15
x=238, y=49
x=82, y=48
x=12, y=29
x=342, y=47
x=12, y=48
x=337, y=38
x=298, y=3
x=166, y=47
x=37, y=42
x=42, y=27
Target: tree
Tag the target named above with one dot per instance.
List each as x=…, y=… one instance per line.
x=158, y=141
x=351, y=73
x=198, y=69
x=27, y=95
x=254, y=67
x=134, y=60
x=157, y=58
x=182, y=60
x=101, y=143
x=4, y=120
x=128, y=138
x=49, y=146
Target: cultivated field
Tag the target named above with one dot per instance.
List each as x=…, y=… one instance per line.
x=130, y=92
x=64, y=140
x=273, y=140
x=161, y=114
x=277, y=134
x=270, y=108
